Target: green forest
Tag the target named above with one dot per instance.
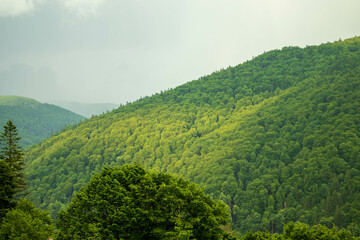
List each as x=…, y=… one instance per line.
x=126, y=202
x=35, y=121
x=276, y=139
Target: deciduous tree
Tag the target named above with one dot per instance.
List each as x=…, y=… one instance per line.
x=130, y=203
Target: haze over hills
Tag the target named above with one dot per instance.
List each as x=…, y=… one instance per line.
x=87, y=109
x=276, y=138
x=35, y=121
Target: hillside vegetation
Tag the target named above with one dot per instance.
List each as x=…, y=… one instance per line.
x=276, y=138
x=35, y=121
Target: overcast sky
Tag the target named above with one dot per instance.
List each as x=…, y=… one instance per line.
x=119, y=50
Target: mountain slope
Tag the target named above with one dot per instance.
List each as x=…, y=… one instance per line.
x=276, y=138
x=35, y=121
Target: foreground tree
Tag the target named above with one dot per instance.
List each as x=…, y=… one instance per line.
x=12, y=178
x=19, y=219
x=6, y=190
x=130, y=203
x=26, y=222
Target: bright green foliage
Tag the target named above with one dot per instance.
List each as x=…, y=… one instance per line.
x=301, y=231
x=25, y=222
x=35, y=121
x=276, y=138
x=12, y=178
x=129, y=203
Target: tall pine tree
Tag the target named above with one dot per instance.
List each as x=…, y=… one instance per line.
x=12, y=178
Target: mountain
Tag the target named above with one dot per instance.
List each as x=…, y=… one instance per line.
x=87, y=109
x=276, y=138
x=35, y=121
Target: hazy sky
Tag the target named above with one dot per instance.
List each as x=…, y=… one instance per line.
x=119, y=50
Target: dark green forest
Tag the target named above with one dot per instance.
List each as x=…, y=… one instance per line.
x=35, y=121
x=300, y=231
x=275, y=138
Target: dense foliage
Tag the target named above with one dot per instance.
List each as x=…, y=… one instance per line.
x=129, y=203
x=19, y=219
x=35, y=121
x=302, y=231
x=25, y=222
x=275, y=138
x=12, y=179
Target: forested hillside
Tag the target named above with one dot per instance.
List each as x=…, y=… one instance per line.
x=276, y=138
x=35, y=121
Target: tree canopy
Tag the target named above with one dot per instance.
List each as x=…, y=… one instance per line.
x=302, y=231
x=128, y=202
x=25, y=222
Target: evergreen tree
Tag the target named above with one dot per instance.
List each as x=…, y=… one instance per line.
x=11, y=166
x=7, y=187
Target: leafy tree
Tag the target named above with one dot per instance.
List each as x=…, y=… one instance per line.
x=11, y=165
x=25, y=222
x=130, y=203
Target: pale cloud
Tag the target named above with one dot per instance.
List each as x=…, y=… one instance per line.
x=119, y=50
x=79, y=8
x=82, y=8
x=10, y=8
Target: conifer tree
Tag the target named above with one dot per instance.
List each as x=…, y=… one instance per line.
x=12, y=178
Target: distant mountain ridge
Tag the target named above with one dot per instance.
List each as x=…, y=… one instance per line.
x=35, y=121
x=87, y=109
x=276, y=138
x=17, y=100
